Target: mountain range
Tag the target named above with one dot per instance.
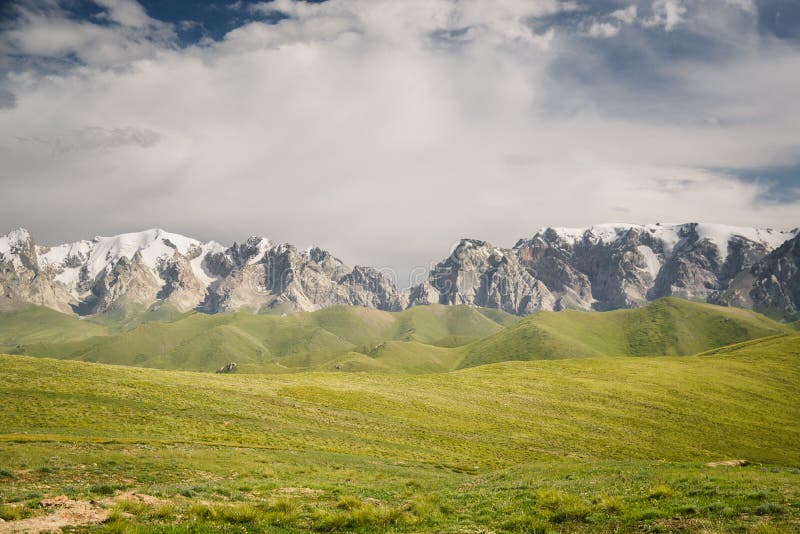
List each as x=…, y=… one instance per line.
x=602, y=267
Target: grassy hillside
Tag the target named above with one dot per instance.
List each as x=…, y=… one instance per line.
x=262, y=343
x=600, y=444
x=667, y=326
x=36, y=324
x=418, y=340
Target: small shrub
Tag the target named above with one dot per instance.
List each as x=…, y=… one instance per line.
x=186, y=492
x=116, y=523
x=721, y=509
x=426, y=507
x=610, y=505
x=24, y=497
x=563, y=506
x=551, y=499
x=5, y=473
x=647, y=515
x=239, y=514
x=11, y=513
x=661, y=492
x=103, y=489
x=689, y=509
x=163, y=512
x=348, y=502
x=766, y=528
x=527, y=524
x=282, y=505
x=359, y=516
x=131, y=506
x=202, y=511
x=769, y=508
x=346, y=519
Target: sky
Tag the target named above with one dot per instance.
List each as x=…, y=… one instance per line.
x=385, y=130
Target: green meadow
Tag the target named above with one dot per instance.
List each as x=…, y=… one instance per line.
x=418, y=340
x=438, y=420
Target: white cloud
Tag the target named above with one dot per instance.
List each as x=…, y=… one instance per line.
x=127, y=13
x=746, y=5
x=95, y=138
x=379, y=131
x=602, y=30
x=626, y=15
x=667, y=14
x=49, y=33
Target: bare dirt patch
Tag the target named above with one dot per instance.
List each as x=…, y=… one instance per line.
x=149, y=500
x=305, y=492
x=728, y=463
x=61, y=512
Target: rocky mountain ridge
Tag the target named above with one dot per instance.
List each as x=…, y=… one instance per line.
x=601, y=267
x=154, y=266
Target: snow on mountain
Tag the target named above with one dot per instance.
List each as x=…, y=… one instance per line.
x=155, y=266
x=12, y=245
x=602, y=267
x=670, y=235
x=83, y=261
x=605, y=266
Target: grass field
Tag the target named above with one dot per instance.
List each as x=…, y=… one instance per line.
x=418, y=340
x=603, y=444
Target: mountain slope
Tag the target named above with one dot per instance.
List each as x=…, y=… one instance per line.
x=261, y=343
x=667, y=326
x=131, y=272
x=421, y=339
x=37, y=324
x=776, y=281
x=602, y=267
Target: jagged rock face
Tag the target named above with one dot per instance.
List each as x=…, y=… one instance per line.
x=548, y=258
x=603, y=267
x=21, y=278
x=128, y=281
x=479, y=274
x=283, y=278
x=145, y=268
x=776, y=279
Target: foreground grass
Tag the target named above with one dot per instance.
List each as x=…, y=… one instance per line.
x=603, y=444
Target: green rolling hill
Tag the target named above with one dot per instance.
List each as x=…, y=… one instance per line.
x=418, y=340
x=37, y=324
x=668, y=326
x=263, y=343
x=587, y=445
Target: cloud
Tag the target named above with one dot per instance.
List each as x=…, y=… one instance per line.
x=667, y=14
x=385, y=132
x=745, y=5
x=96, y=138
x=602, y=30
x=127, y=13
x=626, y=15
x=8, y=100
x=44, y=30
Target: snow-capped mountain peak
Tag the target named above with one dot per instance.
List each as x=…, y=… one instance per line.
x=671, y=234
x=605, y=266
